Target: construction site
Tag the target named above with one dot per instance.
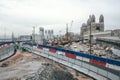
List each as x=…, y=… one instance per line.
x=59, y=40
x=92, y=55
x=29, y=66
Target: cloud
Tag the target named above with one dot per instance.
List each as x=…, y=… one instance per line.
x=19, y=16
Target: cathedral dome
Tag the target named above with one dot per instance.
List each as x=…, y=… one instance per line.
x=101, y=19
x=84, y=25
x=88, y=21
x=93, y=18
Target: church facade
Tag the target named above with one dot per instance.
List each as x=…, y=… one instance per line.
x=95, y=27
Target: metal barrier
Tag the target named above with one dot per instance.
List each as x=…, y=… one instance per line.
x=100, y=60
x=96, y=72
x=7, y=52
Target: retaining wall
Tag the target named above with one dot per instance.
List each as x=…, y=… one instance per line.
x=6, y=52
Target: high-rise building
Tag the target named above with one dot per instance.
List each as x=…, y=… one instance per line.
x=41, y=35
x=41, y=31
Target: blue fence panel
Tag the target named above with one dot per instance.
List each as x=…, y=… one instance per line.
x=81, y=54
x=2, y=43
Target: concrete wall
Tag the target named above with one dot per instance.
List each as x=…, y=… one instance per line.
x=7, y=52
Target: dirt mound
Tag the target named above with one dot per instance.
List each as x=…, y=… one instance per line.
x=49, y=72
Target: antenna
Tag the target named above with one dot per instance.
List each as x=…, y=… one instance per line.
x=67, y=30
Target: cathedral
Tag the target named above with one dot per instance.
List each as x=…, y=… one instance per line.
x=95, y=27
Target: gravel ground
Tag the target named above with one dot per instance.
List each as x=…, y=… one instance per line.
x=28, y=66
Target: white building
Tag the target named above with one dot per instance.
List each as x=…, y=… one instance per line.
x=38, y=39
x=24, y=37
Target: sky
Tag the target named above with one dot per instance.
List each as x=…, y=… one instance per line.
x=19, y=16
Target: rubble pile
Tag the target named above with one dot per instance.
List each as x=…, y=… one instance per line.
x=49, y=72
x=5, y=64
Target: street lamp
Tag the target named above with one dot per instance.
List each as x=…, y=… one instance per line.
x=90, y=36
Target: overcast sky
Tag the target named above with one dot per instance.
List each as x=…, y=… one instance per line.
x=19, y=16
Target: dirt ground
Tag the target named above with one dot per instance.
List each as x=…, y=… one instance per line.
x=23, y=63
